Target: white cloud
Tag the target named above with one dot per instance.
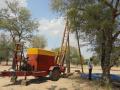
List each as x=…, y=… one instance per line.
x=22, y=3
x=54, y=27
x=73, y=41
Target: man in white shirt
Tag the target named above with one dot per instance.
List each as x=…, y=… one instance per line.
x=90, y=67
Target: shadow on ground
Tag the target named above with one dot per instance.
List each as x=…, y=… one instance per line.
x=97, y=76
x=30, y=81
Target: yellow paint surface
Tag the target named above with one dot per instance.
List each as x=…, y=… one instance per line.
x=40, y=52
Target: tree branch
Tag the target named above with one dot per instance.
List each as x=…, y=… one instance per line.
x=117, y=3
x=107, y=3
x=114, y=61
x=116, y=35
x=111, y=2
x=117, y=14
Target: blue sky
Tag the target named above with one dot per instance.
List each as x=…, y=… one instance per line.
x=41, y=9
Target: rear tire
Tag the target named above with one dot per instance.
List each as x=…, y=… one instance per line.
x=55, y=74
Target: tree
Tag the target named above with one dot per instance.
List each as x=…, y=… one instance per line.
x=101, y=27
x=98, y=21
x=17, y=21
x=5, y=48
x=38, y=41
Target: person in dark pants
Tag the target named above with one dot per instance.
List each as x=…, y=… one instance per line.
x=90, y=66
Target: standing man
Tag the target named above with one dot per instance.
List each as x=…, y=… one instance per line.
x=90, y=66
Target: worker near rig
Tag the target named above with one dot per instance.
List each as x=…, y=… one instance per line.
x=90, y=67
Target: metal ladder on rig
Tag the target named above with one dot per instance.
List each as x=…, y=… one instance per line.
x=60, y=58
x=64, y=46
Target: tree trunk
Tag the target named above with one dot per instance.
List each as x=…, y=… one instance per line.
x=68, y=57
x=106, y=75
x=0, y=60
x=81, y=61
x=14, y=53
x=6, y=61
x=105, y=70
x=68, y=65
x=106, y=58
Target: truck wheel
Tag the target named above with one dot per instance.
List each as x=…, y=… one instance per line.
x=55, y=74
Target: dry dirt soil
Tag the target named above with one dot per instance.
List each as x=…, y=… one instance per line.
x=72, y=83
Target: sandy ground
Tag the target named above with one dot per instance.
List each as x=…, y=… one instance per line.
x=36, y=84
x=46, y=84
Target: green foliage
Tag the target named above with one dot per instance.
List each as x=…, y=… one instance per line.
x=74, y=55
x=38, y=41
x=6, y=47
x=58, y=5
x=93, y=18
x=96, y=60
x=17, y=21
x=56, y=49
x=99, y=25
x=97, y=17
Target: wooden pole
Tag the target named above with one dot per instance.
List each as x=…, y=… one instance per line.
x=68, y=56
x=81, y=61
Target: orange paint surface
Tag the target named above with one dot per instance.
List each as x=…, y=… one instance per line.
x=41, y=60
